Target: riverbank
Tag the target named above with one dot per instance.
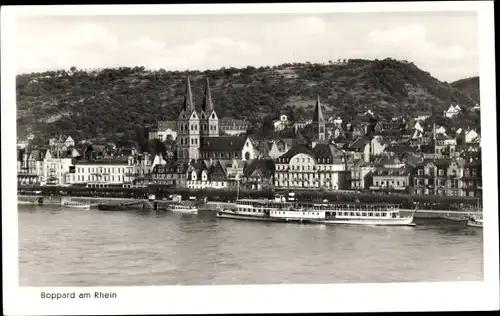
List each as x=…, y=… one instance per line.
x=212, y=205
x=407, y=201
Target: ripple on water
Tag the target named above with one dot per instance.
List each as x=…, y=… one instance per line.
x=59, y=247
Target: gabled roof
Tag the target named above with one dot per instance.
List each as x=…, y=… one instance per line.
x=324, y=153
x=359, y=143
x=198, y=165
x=266, y=167
x=217, y=169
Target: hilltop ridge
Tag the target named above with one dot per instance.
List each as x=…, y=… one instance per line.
x=114, y=103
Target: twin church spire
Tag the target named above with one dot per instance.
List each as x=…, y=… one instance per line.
x=207, y=106
x=195, y=126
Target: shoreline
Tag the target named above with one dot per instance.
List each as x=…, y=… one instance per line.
x=212, y=205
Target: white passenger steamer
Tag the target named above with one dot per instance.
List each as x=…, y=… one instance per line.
x=324, y=213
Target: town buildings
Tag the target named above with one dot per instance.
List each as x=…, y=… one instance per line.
x=386, y=156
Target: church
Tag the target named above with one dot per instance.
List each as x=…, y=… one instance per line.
x=198, y=131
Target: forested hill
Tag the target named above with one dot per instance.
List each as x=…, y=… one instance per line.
x=115, y=103
x=468, y=85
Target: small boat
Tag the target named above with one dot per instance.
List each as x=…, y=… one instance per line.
x=474, y=221
x=111, y=207
x=182, y=208
x=72, y=204
x=25, y=202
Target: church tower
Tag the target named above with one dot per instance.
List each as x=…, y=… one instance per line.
x=209, y=120
x=188, y=129
x=319, y=121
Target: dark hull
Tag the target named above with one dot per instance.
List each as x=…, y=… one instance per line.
x=104, y=207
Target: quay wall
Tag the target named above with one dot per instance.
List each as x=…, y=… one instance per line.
x=429, y=214
x=212, y=205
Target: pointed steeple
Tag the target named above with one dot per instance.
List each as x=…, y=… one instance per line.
x=318, y=113
x=188, y=98
x=207, y=105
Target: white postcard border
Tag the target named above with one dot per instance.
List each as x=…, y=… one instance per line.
x=266, y=298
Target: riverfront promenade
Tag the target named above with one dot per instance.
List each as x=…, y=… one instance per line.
x=212, y=205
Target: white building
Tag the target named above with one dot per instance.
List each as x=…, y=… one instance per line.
x=164, y=131
x=452, y=111
x=282, y=123
x=471, y=136
x=199, y=176
x=250, y=151
x=322, y=166
x=55, y=169
x=103, y=173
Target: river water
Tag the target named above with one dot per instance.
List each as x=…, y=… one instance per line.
x=70, y=247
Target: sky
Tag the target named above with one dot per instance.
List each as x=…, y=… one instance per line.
x=442, y=43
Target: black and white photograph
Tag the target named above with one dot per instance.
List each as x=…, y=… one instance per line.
x=224, y=158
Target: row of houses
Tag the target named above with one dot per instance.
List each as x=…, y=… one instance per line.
x=317, y=166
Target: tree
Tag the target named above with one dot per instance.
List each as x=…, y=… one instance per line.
x=157, y=147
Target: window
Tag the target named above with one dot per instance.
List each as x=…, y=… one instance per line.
x=420, y=172
x=441, y=172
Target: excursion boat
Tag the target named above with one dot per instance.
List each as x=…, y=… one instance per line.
x=72, y=204
x=182, y=208
x=324, y=213
x=353, y=214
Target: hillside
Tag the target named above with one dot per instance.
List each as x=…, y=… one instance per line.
x=116, y=103
x=468, y=85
